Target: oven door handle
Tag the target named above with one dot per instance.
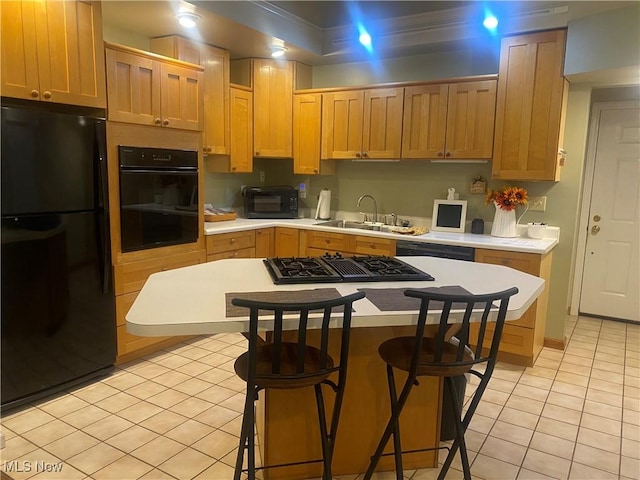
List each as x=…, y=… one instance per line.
x=161, y=171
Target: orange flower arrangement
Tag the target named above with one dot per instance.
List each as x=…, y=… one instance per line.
x=508, y=198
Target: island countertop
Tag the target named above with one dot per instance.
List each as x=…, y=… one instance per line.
x=192, y=300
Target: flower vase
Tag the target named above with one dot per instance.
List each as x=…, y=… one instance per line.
x=504, y=223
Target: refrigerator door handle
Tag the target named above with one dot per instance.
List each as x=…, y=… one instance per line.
x=104, y=247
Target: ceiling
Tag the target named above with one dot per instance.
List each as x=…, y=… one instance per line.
x=324, y=32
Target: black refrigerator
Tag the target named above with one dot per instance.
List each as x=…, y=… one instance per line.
x=58, y=312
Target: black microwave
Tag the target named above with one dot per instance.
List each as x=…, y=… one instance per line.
x=270, y=202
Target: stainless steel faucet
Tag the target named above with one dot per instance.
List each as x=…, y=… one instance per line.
x=375, y=206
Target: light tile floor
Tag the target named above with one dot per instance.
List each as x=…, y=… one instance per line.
x=176, y=415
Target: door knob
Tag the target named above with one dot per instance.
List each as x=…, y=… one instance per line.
x=595, y=229
x=165, y=122
x=47, y=95
x=35, y=93
x=157, y=121
x=596, y=218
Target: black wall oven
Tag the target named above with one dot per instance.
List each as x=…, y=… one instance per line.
x=158, y=197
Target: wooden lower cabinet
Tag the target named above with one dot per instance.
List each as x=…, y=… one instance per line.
x=287, y=242
x=315, y=243
x=522, y=339
x=265, y=242
x=129, y=280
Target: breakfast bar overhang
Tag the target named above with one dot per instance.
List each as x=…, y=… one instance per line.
x=194, y=301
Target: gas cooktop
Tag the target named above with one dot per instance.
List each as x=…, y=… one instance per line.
x=336, y=268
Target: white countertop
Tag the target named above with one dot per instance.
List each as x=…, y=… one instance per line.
x=517, y=244
x=191, y=300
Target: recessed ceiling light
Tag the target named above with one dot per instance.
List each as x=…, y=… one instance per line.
x=277, y=50
x=188, y=19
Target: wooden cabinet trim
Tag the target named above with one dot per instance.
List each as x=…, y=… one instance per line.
x=472, y=78
x=155, y=56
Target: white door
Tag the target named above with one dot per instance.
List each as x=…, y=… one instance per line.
x=610, y=283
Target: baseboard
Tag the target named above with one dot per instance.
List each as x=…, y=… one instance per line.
x=557, y=343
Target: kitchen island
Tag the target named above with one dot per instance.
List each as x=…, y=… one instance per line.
x=193, y=300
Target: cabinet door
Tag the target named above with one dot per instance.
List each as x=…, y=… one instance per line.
x=273, y=108
x=70, y=53
x=241, y=144
x=382, y=123
x=287, y=242
x=181, y=101
x=216, y=99
x=53, y=51
x=307, y=111
x=470, y=120
x=265, y=242
x=133, y=84
x=342, y=124
x=425, y=120
x=530, y=106
x=19, y=50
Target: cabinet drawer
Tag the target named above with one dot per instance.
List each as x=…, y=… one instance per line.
x=332, y=242
x=130, y=277
x=373, y=246
x=524, y=262
x=225, y=242
x=240, y=253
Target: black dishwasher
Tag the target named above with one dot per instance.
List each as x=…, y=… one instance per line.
x=454, y=252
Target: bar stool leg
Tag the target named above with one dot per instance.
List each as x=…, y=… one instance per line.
x=397, y=448
x=459, y=441
x=324, y=438
x=247, y=439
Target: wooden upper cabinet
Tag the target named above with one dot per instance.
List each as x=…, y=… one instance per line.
x=215, y=62
x=147, y=89
x=53, y=51
x=181, y=97
x=133, y=83
x=240, y=159
x=362, y=123
x=449, y=121
x=471, y=112
x=531, y=103
x=307, y=114
x=342, y=124
x=425, y=121
x=382, y=123
x=273, y=108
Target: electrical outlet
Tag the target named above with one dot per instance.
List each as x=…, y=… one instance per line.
x=538, y=204
x=262, y=177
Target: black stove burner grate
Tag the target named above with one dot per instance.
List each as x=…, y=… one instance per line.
x=336, y=268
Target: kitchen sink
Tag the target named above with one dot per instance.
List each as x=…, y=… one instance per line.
x=353, y=224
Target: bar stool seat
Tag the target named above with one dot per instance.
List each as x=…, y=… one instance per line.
x=398, y=352
x=288, y=361
x=312, y=372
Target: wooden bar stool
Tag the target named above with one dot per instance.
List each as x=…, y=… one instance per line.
x=445, y=357
x=287, y=365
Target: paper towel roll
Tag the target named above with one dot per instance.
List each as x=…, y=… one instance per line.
x=323, y=212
